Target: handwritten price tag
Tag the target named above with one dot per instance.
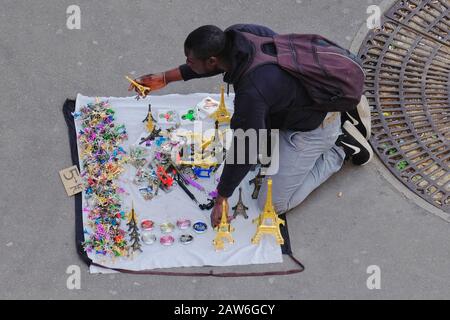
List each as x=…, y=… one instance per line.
x=71, y=180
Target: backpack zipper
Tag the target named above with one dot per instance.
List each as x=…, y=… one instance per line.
x=337, y=54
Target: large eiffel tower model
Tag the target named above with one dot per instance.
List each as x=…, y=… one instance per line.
x=222, y=115
x=268, y=221
x=223, y=230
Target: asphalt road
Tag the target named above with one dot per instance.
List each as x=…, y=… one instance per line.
x=42, y=63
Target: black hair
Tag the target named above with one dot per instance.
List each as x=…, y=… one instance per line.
x=205, y=42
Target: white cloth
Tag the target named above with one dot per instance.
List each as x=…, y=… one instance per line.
x=176, y=204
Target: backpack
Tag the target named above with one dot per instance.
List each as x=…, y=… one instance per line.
x=332, y=75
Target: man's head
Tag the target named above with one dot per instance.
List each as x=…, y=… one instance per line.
x=204, y=48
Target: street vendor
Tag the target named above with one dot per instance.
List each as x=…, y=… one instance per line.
x=311, y=148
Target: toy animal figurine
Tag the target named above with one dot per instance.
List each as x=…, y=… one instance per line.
x=143, y=90
x=222, y=115
x=223, y=230
x=240, y=208
x=268, y=221
x=257, y=181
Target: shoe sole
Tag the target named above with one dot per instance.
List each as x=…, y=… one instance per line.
x=364, y=114
x=351, y=129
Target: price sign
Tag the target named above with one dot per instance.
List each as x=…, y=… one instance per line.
x=71, y=180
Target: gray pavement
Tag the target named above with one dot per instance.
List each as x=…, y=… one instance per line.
x=42, y=63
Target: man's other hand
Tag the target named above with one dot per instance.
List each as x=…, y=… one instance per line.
x=216, y=213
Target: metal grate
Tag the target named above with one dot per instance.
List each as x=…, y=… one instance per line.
x=407, y=63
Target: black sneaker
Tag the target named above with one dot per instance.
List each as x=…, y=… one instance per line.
x=355, y=145
x=360, y=117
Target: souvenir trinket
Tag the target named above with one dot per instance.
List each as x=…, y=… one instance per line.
x=167, y=240
x=200, y=227
x=183, y=224
x=148, y=238
x=167, y=227
x=186, y=238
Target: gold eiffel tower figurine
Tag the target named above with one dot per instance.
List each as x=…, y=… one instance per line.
x=143, y=90
x=131, y=216
x=149, y=119
x=268, y=221
x=223, y=230
x=222, y=115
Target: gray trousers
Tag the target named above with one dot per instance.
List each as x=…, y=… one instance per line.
x=307, y=159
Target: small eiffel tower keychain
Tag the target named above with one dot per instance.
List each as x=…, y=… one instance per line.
x=240, y=208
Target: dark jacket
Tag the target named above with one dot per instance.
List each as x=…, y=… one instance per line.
x=262, y=97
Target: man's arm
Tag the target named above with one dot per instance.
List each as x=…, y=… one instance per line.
x=251, y=111
x=158, y=81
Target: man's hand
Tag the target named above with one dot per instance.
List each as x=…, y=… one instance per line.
x=158, y=80
x=152, y=81
x=216, y=213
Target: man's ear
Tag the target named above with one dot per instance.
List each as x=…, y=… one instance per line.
x=212, y=61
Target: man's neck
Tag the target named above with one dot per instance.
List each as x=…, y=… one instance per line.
x=224, y=65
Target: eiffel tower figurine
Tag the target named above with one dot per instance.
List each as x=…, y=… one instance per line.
x=133, y=230
x=216, y=146
x=223, y=230
x=150, y=126
x=240, y=208
x=257, y=181
x=268, y=221
x=222, y=115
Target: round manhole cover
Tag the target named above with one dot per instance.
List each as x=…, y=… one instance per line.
x=407, y=63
